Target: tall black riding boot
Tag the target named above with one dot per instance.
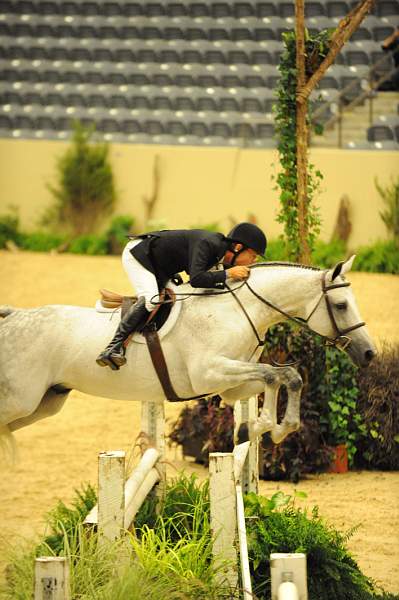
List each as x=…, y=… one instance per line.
x=114, y=354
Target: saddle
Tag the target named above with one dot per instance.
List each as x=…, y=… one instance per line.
x=157, y=318
x=160, y=314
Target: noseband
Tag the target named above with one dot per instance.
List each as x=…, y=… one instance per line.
x=340, y=341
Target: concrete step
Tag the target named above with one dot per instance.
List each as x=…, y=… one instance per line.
x=356, y=122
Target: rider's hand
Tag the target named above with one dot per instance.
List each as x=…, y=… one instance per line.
x=238, y=273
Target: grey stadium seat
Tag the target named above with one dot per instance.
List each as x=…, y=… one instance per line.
x=266, y=9
x=387, y=8
x=337, y=8
x=380, y=132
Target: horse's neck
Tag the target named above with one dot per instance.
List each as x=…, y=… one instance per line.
x=292, y=289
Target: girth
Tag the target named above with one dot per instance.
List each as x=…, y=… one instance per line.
x=158, y=360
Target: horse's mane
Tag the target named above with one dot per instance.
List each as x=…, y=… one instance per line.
x=283, y=264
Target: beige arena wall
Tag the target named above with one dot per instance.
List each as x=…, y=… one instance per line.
x=203, y=185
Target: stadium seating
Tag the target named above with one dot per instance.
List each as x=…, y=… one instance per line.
x=188, y=71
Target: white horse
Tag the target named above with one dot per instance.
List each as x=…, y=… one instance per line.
x=210, y=349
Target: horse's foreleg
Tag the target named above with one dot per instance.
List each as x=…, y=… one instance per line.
x=242, y=392
x=291, y=420
x=258, y=378
x=221, y=374
x=291, y=379
x=267, y=419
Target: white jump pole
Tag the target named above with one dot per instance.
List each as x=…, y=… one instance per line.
x=52, y=578
x=140, y=483
x=240, y=455
x=246, y=411
x=111, y=494
x=289, y=577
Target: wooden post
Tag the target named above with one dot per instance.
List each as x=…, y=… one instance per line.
x=52, y=578
x=153, y=424
x=246, y=411
x=223, y=514
x=288, y=575
x=111, y=494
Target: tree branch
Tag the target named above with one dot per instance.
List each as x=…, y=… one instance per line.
x=346, y=27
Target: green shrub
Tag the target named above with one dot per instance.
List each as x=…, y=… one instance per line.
x=9, y=229
x=276, y=525
x=324, y=255
x=41, y=241
x=117, y=233
x=171, y=556
x=63, y=520
x=214, y=227
x=89, y=244
x=85, y=189
x=171, y=559
x=327, y=254
x=390, y=216
x=276, y=250
x=381, y=257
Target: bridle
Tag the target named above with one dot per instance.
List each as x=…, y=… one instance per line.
x=340, y=341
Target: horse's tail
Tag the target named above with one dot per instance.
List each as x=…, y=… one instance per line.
x=6, y=310
x=8, y=447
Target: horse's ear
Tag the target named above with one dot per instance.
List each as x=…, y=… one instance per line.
x=347, y=266
x=342, y=267
x=337, y=270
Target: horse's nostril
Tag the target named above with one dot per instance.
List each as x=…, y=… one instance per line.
x=369, y=355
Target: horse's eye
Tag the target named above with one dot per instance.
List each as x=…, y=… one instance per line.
x=341, y=306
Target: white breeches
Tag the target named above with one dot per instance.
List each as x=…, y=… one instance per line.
x=142, y=280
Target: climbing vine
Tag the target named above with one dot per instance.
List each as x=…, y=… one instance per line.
x=316, y=48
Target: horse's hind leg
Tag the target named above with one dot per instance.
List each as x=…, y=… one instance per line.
x=51, y=403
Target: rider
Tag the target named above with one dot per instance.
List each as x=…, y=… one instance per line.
x=151, y=259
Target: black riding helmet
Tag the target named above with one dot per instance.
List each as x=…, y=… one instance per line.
x=250, y=236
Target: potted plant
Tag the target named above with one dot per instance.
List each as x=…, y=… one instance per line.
x=344, y=423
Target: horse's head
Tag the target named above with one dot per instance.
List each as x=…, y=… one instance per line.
x=336, y=316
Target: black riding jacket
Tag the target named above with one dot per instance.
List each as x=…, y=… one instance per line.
x=195, y=251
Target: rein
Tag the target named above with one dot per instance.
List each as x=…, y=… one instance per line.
x=340, y=341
